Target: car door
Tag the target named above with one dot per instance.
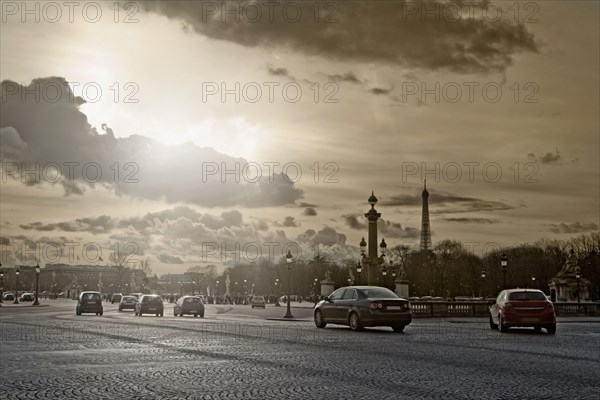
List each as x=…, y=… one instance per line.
x=328, y=309
x=495, y=309
x=344, y=305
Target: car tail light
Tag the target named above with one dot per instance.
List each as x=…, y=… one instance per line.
x=407, y=306
x=549, y=305
x=375, y=305
x=507, y=305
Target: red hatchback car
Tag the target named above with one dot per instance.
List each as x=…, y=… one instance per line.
x=522, y=307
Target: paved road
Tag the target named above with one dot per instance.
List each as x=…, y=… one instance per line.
x=235, y=352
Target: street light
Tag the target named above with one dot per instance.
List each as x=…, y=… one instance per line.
x=17, y=272
x=533, y=281
x=288, y=259
x=483, y=283
x=37, y=285
x=358, y=272
x=578, y=276
x=277, y=293
x=504, y=265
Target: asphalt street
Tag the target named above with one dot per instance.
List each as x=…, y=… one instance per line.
x=237, y=352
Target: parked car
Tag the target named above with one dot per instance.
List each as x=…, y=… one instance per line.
x=8, y=297
x=149, y=304
x=360, y=306
x=127, y=302
x=258, y=301
x=115, y=298
x=27, y=297
x=189, y=305
x=523, y=308
x=89, y=302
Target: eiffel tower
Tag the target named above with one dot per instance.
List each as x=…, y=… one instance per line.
x=425, y=230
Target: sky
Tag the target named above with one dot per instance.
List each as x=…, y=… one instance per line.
x=189, y=132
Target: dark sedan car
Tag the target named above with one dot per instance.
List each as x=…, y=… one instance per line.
x=361, y=306
x=89, y=302
x=522, y=307
x=189, y=305
x=149, y=304
x=127, y=302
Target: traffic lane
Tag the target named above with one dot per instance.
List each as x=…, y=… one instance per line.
x=435, y=363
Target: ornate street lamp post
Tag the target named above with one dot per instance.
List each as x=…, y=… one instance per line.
x=288, y=259
x=358, y=273
x=483, y=283
x=504, y=265
x=37, y=285
x=369, y=258
x=17, y=272
x=277, y=293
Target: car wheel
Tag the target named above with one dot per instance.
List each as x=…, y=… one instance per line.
x=202, y=315
x=398, y=328
x=181, y=314
x=140, y=314
x=551, y=329
x=195, y=315
x=101, y=312
x=174, y=313
x=319, y=321
x=354, y=322
x=537, y=328
x=120, y=309
x=492, y=324
x=501, y=326
x=161, y=314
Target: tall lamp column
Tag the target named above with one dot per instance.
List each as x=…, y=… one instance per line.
x=288, y=259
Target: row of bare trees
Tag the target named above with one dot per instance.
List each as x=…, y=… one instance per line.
x=451, y=269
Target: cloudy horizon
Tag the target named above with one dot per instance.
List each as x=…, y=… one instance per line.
x=188, y=128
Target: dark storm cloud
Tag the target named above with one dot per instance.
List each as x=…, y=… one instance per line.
x=575, y=227
x=353, y=222
x=395, y=230
x=37, y=129
x=275, y=71
x=347, y=77
x=309, y=212
x=288, y=222
x=169, y=259
x=472, y=220
x=441, y=203
x=548, y=158
x=327, y=235
x=383, y=32
x=379, y=91
x=96, y=225
x=386, y=228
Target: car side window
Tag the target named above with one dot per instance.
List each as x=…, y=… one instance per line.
x=350, y=294
x=337, y=295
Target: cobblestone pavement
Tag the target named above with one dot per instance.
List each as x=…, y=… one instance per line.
x=49, y=353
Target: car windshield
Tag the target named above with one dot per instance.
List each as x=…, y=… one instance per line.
x=527, y=296
x=151, y=299
x=128, y=298
x=258, y=298
x=191, y=300
x=379, y=293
